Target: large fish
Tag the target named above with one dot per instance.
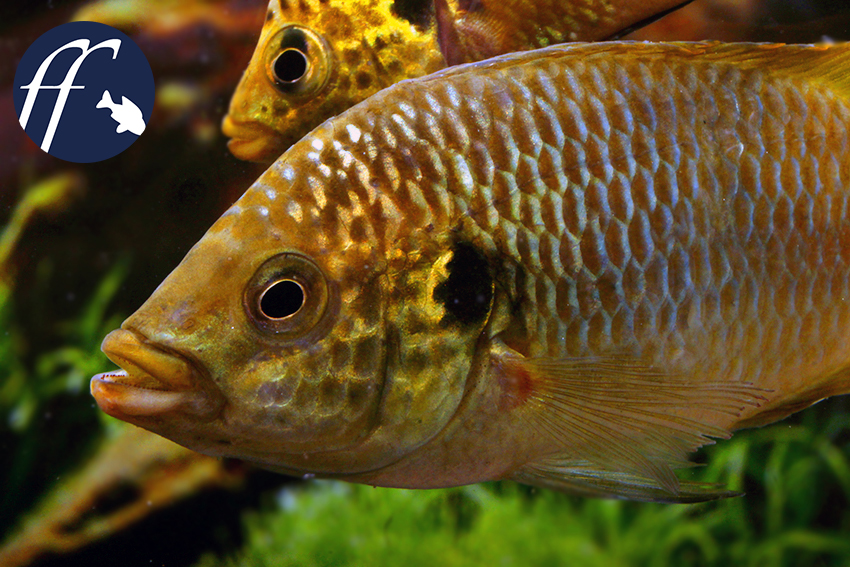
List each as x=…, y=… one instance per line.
x=568, y=267
x=316, y=58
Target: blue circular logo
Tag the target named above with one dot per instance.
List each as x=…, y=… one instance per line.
x=84, y=92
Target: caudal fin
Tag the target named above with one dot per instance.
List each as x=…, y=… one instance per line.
x=105, y=101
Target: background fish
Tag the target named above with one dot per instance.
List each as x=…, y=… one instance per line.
x=315, y=58
x=472, y=30
x=568, y=267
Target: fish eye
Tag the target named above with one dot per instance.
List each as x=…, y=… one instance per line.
x=298, y=61
x=287, y=296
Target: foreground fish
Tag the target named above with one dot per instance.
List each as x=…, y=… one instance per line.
x=317, y=58
x=568, y=267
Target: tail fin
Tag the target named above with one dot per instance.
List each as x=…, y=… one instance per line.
x=105, y=101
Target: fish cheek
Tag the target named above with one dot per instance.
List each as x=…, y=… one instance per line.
x=313, y=380
x=300, y=402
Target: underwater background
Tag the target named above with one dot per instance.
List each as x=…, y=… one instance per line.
x=84, y=245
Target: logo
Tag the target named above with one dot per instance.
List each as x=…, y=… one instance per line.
x=83, y=92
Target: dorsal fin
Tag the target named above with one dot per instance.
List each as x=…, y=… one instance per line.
x=646, y=21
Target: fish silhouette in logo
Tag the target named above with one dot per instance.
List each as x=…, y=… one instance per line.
x=127, y=114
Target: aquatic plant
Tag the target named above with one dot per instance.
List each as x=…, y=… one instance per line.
x=45, y=406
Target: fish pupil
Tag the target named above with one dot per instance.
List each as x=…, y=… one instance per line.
x=290, y=66
x=283, y=298
x=468, y=291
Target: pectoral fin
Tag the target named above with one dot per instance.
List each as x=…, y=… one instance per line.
x=618, y=426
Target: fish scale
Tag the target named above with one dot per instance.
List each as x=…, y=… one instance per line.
x=568, y=267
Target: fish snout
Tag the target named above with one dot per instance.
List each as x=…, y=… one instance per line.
x=152, y=382
x=252, y=141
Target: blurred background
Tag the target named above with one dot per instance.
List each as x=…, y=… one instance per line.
x=82, y=246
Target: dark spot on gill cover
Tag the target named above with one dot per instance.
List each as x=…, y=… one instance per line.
x=467, y=293
x=417, y=12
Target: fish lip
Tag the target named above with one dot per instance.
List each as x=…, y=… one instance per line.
x=146, y=363
x=252, y=141
x=153, y=381
x=125, y=401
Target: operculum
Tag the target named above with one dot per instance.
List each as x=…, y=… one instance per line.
x=437, y=316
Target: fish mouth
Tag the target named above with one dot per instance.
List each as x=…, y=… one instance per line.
x=252, y=141
x=152, y=381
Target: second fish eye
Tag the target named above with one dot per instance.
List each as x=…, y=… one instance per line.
x=298, y=61
x=281, y=299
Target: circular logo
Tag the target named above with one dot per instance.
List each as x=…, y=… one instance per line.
x=83, y=92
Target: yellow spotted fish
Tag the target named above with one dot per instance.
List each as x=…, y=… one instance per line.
x=317, y=58
x=472, y=30
x=569, y=267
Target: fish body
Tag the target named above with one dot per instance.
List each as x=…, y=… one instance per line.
x=472, y=30
x=317, y=58
x=568, y=267
x=127, y=114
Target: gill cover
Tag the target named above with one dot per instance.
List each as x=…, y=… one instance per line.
x=437, y=314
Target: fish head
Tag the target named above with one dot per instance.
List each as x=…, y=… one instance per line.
x=315, y=59
x=289, y=337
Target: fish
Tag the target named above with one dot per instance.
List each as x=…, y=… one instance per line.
x=127, y=114
x=568, y=267
x=316, y=58
x=472, y=30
